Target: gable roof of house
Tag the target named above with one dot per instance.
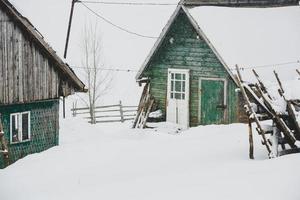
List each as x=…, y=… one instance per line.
x=164, y=33
x=248, y=37
x=26, y=26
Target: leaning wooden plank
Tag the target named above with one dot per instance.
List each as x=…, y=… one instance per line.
x=141, y=105
x=251, y=113
x=147, y=113
x=257, y=100
x=290, y=108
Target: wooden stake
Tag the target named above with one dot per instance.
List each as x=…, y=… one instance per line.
x=251, y=147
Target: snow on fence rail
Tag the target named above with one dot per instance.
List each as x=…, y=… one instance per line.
x=107, y=113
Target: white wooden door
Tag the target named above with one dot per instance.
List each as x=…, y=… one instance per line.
x=178, y=97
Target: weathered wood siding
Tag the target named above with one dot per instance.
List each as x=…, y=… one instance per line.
x=26, y=73
x=188, y=51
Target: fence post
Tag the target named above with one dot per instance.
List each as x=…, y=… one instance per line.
x=121, y=112
x=73, y=111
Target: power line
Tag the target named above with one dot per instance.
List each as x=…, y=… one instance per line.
x=269, y=65
x=107, y=69
x=241, y=68
x=131, y=3
x=116, y=26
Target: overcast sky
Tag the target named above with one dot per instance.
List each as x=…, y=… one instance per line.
x=120, y=49
x=50, y=17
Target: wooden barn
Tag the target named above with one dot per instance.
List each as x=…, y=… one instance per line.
x=187, y=75
x=32, y=80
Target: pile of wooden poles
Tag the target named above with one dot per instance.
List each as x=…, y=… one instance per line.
x=279, y=131
x=144, y=108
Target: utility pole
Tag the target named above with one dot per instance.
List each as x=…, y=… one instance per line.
x=69, y=27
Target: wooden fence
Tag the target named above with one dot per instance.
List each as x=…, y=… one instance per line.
x=107, y=113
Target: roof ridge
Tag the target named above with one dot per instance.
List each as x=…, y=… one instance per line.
x=240, y=3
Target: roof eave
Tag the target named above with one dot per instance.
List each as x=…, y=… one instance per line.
x=206, y=39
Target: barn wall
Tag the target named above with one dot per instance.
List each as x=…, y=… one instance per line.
x=44, y=128
x=188, y=52
x=26, y=73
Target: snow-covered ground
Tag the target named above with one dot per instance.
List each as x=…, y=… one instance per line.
x=112, y=161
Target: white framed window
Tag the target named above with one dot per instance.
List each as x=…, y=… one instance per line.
x=20, y=127
x=178, y=81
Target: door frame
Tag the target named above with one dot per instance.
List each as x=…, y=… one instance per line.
x=200, y=96
x=187, y=92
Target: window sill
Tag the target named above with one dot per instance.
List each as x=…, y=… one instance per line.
x=22, y=142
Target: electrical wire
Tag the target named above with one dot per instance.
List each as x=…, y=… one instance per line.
x=114, y=25
x=107, y=69
x=241, y=68
x=269, y=65
x=131, y=3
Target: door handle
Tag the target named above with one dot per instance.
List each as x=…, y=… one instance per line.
x=222, y=106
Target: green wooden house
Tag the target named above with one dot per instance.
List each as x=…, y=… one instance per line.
x=188, y=77
x=32, y=80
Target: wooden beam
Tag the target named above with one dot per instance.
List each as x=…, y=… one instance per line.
x=276, y=118
x=251, y=148
x=252, y=114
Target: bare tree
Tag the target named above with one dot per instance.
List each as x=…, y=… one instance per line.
x=98, y=79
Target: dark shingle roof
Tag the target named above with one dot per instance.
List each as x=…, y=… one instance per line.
x=240, y=3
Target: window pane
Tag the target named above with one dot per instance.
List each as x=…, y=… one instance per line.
x=178, y=86
x=178, y=76
x=183, y=76
x=14, y=128
x=25, y=128
x=178, y=96
x=172, y=75
x=172, y=86
x=183, y=86
x=183, y=96
x=172, y=95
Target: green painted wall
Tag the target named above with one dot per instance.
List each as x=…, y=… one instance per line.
x=44, y=128
x=188, y=51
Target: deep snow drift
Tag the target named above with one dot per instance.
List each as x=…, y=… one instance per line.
x=112, y=161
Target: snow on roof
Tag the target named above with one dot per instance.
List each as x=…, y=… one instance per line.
x=254, y=37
